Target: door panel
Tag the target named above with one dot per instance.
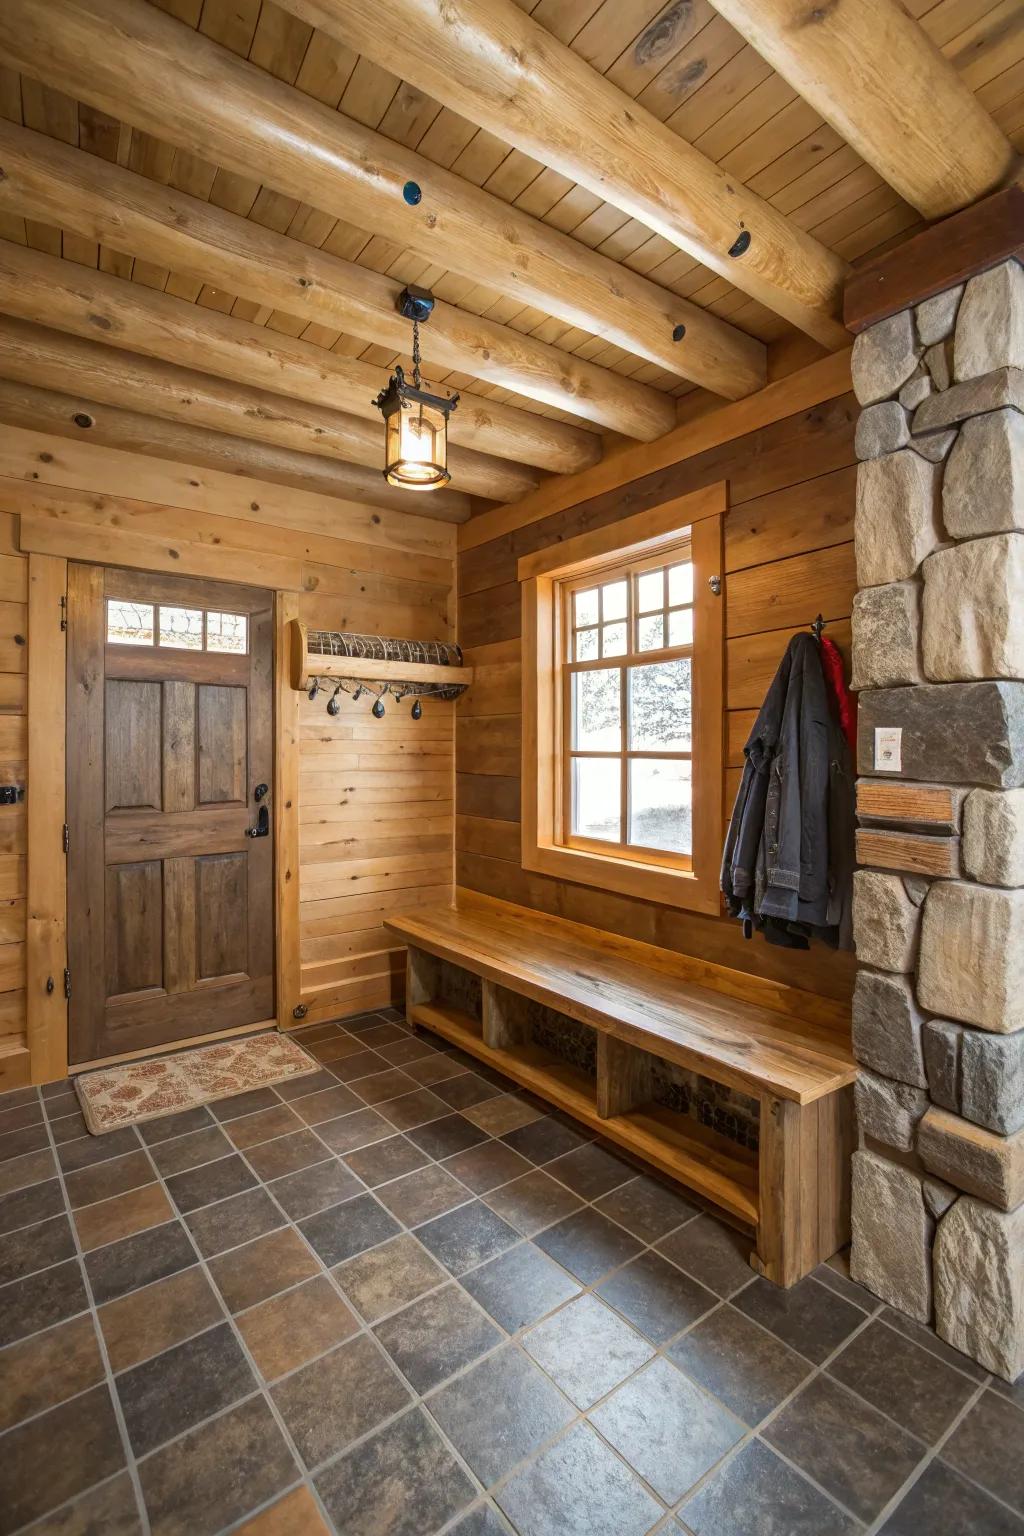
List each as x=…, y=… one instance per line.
x=132, y=746
x=223, y=744
x=222, y=918
x=169, y=899
x=134, y=936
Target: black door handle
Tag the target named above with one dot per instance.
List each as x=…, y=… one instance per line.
x=262, y=827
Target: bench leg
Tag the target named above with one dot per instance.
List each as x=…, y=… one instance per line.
x=503, y=1030
x=623, y=1077
x=420, y=979
x=804, y=1172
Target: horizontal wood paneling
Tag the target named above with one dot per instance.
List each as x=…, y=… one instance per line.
x=788, y=555
x=375, y=807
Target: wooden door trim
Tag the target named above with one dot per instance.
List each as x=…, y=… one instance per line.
x=46, y=1011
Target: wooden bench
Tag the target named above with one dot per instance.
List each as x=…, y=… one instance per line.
x=646, y=1003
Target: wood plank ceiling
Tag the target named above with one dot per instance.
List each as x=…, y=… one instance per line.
x=682, y=61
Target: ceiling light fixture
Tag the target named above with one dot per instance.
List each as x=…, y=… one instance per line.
x=415, y=421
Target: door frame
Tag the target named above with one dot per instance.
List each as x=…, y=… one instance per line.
x=46, y=787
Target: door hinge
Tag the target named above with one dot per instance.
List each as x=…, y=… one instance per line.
x=65, y=837
x=63, y=613
x=67, y=982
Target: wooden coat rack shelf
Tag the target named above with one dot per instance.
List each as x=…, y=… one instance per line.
x=306, y=664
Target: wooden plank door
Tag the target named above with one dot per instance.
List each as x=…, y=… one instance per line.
x=169, y=737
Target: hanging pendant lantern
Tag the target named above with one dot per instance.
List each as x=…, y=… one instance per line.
x=415, y=421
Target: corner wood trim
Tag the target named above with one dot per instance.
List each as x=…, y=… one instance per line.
x=938, y=258
x=287, y=702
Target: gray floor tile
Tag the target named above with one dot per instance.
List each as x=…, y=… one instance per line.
x=41, y=1300
x=533, y=1202
x=750, y=1370
x=586, y=1349
x=520, y=1286
x=360, y=1129
x=543, y=1140
x=712, y=1253
x=436, y=1336
x=388, y=1277
x=668, y=1430
x=988, y=1447
x=591, y=1171
x=903, y=1380
x=338, y=1398
x=181, y=1153
x=483, y=1521
x=588, y=1245
x=233, y=1222
x=423, y=1194
x=942, y=1503
x=499, y=1413
x=214, y=1181
x=386, y=1160
x=184, y=1485
x=756, y=1494
x=313, y=1189
x=852, y=1451
x=487, y=1166
x=656, y=1297
x=467, y=1237
x=29, y=1206
x=170, y=1392
x=647, y=1208
x=402, y=1480
x=169, y=1126
x=57, y=1455
x=578, y=1487
x=344, y=1230
x=446, y=1136
x=33, y=1248
x=136, y=1261
x=929, y=1340
x=808, y=1317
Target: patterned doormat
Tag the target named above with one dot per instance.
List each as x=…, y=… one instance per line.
x=165, y=1085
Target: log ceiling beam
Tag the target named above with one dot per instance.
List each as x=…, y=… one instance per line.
x=496, y=66
x=878, y=79
x=107, y=426
x=46, y=180
x=119, y=56
x=32, y=354
x=118, y=313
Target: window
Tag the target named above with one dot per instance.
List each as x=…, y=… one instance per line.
x=628, y=708
x=622, y=769
x=175, y=628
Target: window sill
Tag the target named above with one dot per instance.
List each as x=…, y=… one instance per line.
x=646, y=882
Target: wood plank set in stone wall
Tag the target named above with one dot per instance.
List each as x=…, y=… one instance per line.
x=938, y=654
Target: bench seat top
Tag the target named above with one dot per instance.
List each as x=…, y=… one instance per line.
x=634, y=991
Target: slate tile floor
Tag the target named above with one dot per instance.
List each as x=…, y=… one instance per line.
x=397, y=1298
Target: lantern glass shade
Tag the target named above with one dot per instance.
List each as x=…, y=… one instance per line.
x=416, y=436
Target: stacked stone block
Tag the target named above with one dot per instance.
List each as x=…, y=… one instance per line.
x=938, y=654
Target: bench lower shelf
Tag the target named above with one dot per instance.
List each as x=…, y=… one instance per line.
x=706, y=1162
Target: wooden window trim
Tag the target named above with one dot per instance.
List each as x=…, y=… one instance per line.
x=541, y=575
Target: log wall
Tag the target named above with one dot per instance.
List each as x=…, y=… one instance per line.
x=789, y=554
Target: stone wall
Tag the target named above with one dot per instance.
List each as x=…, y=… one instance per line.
x=938, y=652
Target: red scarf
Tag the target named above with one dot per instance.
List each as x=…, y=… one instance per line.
x=835, y=676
